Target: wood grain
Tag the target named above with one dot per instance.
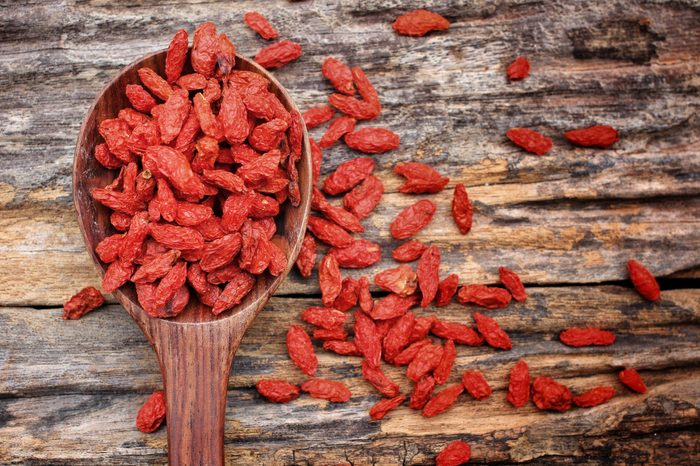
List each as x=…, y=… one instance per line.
x=69, y=391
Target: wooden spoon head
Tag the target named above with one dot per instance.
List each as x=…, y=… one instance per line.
x=94, y=218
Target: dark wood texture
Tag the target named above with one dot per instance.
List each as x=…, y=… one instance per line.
x=196, y=348
x=69, y=391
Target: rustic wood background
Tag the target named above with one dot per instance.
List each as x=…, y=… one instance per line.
x=69, y=391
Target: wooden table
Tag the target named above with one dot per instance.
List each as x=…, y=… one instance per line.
x=568, y=222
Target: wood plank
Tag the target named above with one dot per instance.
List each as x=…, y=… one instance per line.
x=79, y=429
x=105, y=351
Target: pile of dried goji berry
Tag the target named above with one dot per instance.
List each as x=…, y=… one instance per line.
x=214, y=162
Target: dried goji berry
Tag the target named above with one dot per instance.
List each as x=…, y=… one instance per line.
x=427, y=359
x=422, y=391
x=512, y=282
x=316, y=116
x=375, y=376
x=367, y=339
x=446, y=290
x=363, y=295
x=344, y=348
x=550, y=394
x=120, y=221
x=372, y=140
x=329, y=232
x=347, y=297
x=519, y=384
x=225, y=180
x=278, y=391
x=454, y=454
x=132, y=117
x=338, y=127
x=348, y=175
x=339, y=74
x=256, y=172
x=86, y=300
x=316, y=160
x=460, y=333
x=329, y=279
x=108, y=249
x=139, y=98
x=409, y=353
x=409, y=251
x=530, y=140
x=176, y=55
x=233, y=117
x=422, y=327
x=236, y=210
x=354, y=107
x=301, y=351
x=189, y=214
x=156, y=267
x=462, y=210
x=208, y=293
x=443, y=369
x=586, y=336
x=397, y=337
x=204, y=47
x=307, y=256
x=594, y=397
x=392, y=306
x=192, y=81
x=234, y=292
x=594, y=136
x=327, y=318
x=643, y=281
x=260, y=24
x=631, y=378
x=402, y=280
x=279, y=54
x=152, y=413
x=420, y=178
x=492, y=332
x=116, y=133
x=518, y=69
x=327, y=389
x=477, y=386
x=335, y=214
x=157, y=85
x=412, y=219
x=224, y=274
x=428, y=271
x=174, y=166
x=419, y=23
x=106, y=158
x=382, y=407
x=220, y=252
x=485, y=296
x=364, y=198
x=443, y=400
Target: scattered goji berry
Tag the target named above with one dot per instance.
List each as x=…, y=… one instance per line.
x=204, y=47
x=354, y=107
x=364, y=296
x=364, y=198
x=460, y=333
x=84, y=301
x=278, y=391
x=512, y=282
x=234, y=292
x=329, y=232
x=594, y=397
x=412, y=219
x=372, y=140
x=139, y=98
x=519, y=384
x=422, y=327
x=454, y=454
x=157, y=85
x=632, y=380
x=367, y=339
x=383, y=406
x=443, y=369
x=428, y=271
x=402, y=280
x=643, y=281
x=344, y=348
x=420, y=178
x=116, y=275
x=485, y=296
x=446, y=290
x=347, y=298
x=492, y=332
x=225, y=55
x=307, y=256
x=335, y=214
x=419, y=23
x=392, y=306
x=422, y=391
x=425, y=361
x=409, y=251
x=518, y=69
x=301, y=351
x=462, y=210
x=594, y=136
x=409, y=353
x=477, y=386
x=330, y=390
x=339, y=75
x=329, y=279
x=260, y=24
x=177, y=55
x=550, y=394
x=379, y=380
x=316, y=116
x=338, y=127
x=155, y=267
x=443, y=400
x=335, y=333
x=279, y=54
x=586, y=336
x=152, y=413
x=327, y=318
x=530, y=140
x=348, y=175
x=358, y=254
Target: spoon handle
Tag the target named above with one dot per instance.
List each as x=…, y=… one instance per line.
x=195, y=362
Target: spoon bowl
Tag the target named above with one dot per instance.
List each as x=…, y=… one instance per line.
x=195, y=349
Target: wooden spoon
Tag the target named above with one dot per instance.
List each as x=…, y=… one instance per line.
x=196, y=348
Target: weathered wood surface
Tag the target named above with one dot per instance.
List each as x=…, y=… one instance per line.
x=69, y=390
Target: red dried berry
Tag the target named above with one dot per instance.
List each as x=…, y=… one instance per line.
x=307, y=256
x=460, y=333
x=454, y=454
x=530, y=140
x=364, y=198
x=428, y=272
x=643, y=281
x=336, y=333
x=484, y=296
x=329, y=279
x=329, y=232
x=86, y=300
x=382, y=407
x=519, y=384
x=339, y=74
x=512, y=282
x=519, y=69
x=443, y=400
x=420, y=178
x=327, y=390
x=367, y=339
x=348, y=175
x=427, y=359
x=594, y=136
x=398, y=336
x=279, y=54
x=316, y=116
x=177, y=55
x=260, y=24
x=392, y=306
x=422, y=391
x=594, y=397
x=301, y=351
x=446, y=290
x=278, y=391
x=550, y=394
x=419, y=23
x=338, y=127
x=348, y=295
x=412, y=219
x=409, y=251
x=323, y=317
x=407, y=355
x=358, y=254
x=588, y=336
x=379, y=380
x=477, y=386
x=492, y=332
x=152, y=413
x=373, y=140
x=443, y=369
x=402, y=280
x=631, y=378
